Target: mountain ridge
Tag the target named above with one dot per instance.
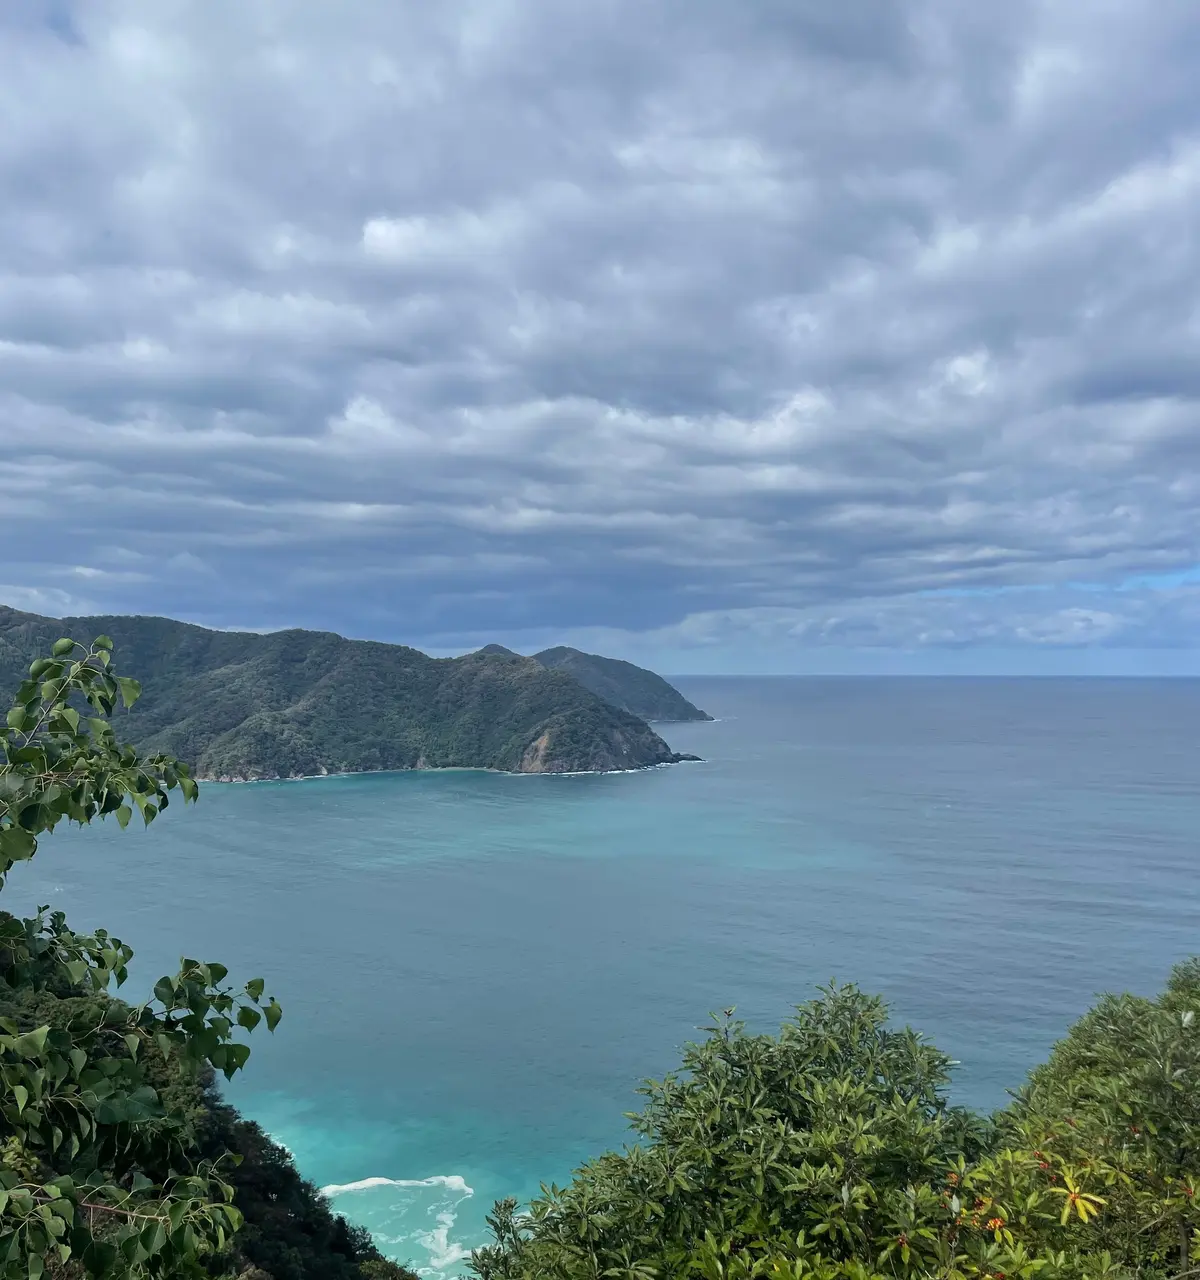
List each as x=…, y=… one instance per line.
x=295, y=703
x=635, y=689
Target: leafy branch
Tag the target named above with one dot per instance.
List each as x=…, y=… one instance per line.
x=77, y=1103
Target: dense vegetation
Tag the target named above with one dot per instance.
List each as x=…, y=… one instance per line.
x=287, y=1229
x=117, y=1159
x=831, y=1151
x=293, y=703
x=633, y=689
x=828, y=1152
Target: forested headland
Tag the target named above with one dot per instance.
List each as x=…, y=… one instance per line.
x=241, y=706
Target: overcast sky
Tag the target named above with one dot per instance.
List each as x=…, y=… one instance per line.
x=724, y=334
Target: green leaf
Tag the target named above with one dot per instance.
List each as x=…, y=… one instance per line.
x=99, y=1256
x=108, y=1112
x=102, y=642
x=17, y=844
x=153, y=1237
x=32, y=1044
x=62, y=647
x=131, y=690
x=236, y=1056
x=124, y=813
x=115, y=1013
x=272, y=1013
x=248, y=1017
x=21, y=1094
x=254, y=989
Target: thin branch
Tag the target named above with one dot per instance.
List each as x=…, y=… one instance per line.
x=96, y=1206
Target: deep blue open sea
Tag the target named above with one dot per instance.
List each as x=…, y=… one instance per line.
x=477, y=969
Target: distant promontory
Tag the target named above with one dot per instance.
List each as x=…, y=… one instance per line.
x=632, y=688
x=242, y=706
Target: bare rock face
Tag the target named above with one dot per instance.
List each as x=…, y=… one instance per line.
x=632, y=745
x=535, y=756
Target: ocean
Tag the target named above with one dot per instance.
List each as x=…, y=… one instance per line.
x=477, y=969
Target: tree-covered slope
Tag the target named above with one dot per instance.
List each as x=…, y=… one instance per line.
x=290, y=1232
x=832, y=1151
x=118, y=1159
x=292, y=703
x=634, y=689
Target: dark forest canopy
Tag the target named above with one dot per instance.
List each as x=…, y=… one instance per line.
x=296, y=703
x=633, y=688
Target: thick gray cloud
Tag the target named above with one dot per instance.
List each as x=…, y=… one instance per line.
x=698, y=326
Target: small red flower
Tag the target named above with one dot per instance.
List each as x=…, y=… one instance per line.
x=994, y=1224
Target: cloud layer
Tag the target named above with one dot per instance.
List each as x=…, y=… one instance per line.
x=693, y=325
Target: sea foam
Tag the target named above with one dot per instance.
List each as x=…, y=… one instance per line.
x=451, y=1181
x=443, y=1252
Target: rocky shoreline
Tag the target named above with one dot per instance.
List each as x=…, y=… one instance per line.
x=678, y=757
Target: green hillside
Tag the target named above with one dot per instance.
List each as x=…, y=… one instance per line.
x=634, y=689
x=293, y=703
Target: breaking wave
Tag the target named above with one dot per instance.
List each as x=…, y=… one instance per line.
x=398, y=1216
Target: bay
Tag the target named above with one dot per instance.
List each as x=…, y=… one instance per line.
x=477, y=969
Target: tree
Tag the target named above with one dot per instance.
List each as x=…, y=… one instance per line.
x=79, y=1116
x=831, y=1151
x=1112, y=1123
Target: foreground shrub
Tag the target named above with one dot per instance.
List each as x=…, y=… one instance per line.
x=831, y=1150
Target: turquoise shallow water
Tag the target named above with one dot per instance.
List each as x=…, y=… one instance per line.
x=477, y=969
